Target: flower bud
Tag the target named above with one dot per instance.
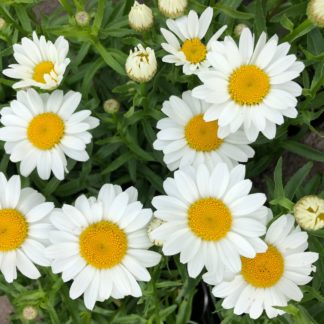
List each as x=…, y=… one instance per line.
x=309, y=212
x=315, y=12
x=238, y=29
x=3, y=24
x=140, y=17
x=141, y=64
x=111, y=106
x=29, y=313
x=155, y=223
x=172, y=8
x=82, y=18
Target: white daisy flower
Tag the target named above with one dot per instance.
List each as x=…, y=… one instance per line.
x=24, y=229
x=101, y=244
x=40, y=129
x=272, y=278
x=40, y=63
x=172, y=8
x=249, y=85
x=186, y=139
x=211, y=219
x=141, y=64
x=190, y=52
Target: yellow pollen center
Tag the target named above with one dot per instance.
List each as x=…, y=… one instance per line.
x=201, y=135
x=13, y=229
x=248, y=85
x=210, y=219
x=194, y=50
x=265, y=269
x=41, y=69
x=103, y=245
x=45, y=130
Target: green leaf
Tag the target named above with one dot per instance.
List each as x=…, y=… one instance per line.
x=116, y=164
x=99, y=17
x=299, y=31
x=22, y=15
x=233, y=13
x=109, y=59
x=260, y=21
x=297, y=179
x=303, y=150
x=279, y=188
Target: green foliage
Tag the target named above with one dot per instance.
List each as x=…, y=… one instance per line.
x=122, y=150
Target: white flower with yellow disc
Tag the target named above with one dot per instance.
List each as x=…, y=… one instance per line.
x=102, y=245
x=40, y=63
x=186, y=139
x=185, y=43
x=41, y=129
x=249, y=85
x=210, y=218
x=24, y=229
x=271, y=278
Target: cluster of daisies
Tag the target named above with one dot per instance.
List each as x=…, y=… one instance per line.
x=101, y=243
x=207, y=214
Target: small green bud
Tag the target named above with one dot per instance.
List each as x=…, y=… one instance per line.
x=3, y=24
x=238, y=29
x=29, y=313
x=82, y=18
x=111, y=106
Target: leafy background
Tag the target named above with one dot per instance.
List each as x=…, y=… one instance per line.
x=286, y=168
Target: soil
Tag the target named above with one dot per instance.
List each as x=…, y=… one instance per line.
x=5, y=310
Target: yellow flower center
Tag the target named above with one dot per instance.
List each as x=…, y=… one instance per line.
x=45, y=130
x=103, y=245
x=194, y=50
x=248, y=85
x=41, y=69
x=265, y=269
x=210, y=219
x=13, y=229
x=201, y=135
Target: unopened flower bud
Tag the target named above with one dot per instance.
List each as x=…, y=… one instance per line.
x=82, y=18
x=29, y=313
x=238, y=29
x=315, y=12
x=140, y=17
x=2, y=23
x=111, y=106
x=155, y=223
x=172, y=8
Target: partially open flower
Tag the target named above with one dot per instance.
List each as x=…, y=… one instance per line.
x=140, y=17
x=172, y=8
x=141, y=64
x=315, y=12
x=309, y=212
